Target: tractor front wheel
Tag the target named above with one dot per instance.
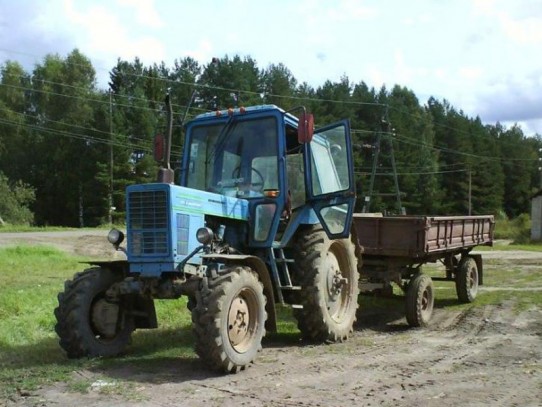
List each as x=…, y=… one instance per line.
x=229, y=320
x=89, y=323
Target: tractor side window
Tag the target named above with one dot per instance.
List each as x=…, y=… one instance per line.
x=329, y=162
x=296, y=178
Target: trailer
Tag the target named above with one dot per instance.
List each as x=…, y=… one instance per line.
x=395, y=247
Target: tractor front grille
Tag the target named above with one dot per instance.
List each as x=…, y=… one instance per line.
x=148, y=223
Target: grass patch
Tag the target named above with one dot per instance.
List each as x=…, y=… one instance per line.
x=30, y=279
x=26, y=228
x=7, y=228
x=532, y=247
x=502, y=283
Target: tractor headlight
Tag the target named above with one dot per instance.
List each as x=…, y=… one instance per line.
x=115, y=237
x=204, y=235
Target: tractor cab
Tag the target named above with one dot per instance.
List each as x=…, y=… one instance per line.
x=289, y=178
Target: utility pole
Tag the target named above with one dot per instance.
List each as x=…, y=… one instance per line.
x=470, y=192
x=385, y=134
x=110, y=197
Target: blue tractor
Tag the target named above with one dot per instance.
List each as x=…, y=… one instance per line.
x=261, y=216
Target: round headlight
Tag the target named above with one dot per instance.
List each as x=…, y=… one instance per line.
x=204, y=235
x=115, y=237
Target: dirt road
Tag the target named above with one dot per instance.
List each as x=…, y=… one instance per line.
x=484, y=356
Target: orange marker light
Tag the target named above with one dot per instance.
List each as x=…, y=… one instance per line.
x=271, y=193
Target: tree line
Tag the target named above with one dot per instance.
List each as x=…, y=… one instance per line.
x=68, y=149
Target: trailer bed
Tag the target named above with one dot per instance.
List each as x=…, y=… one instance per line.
x=421, y=237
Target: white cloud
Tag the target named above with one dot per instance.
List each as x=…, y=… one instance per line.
x=527, y=31
x=203, y=51
x=470, y=73
x=145, y=12
x=106, y=36
x=348, y=10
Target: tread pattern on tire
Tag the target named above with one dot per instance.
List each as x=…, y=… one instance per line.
x=465, y=293
x=73, y=316
x=414, y=313
x=313, y=320
x=207, y=316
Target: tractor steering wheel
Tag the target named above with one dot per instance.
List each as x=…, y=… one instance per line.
x=257, y=186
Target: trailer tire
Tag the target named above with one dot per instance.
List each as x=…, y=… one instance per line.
x=88, y=323
x=466, y=280
x=328, y=275
x=228, y=321
x=419, y=300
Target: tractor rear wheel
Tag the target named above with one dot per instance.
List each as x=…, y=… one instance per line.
x=229, y=320
x=328, y=275
x=88, y=322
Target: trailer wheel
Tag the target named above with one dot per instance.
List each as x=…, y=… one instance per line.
x=419, y=300
x=466, y=280
x=229, y=320
x=88, y=322
x=328, y=275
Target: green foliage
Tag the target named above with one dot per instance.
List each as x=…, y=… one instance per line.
x=518, y=229
x=89, y=144
x=15, y=203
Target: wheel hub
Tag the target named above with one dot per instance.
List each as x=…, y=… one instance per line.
x=335, y=285
x=104, y=318
x=238, y=322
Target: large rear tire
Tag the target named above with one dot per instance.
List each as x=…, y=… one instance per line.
x=419, y=301
x=328, y=275
x=229, y=320
x=466, y=280
x=88, y=322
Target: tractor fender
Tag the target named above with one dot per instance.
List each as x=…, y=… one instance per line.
x=256, y=264
x=120, y=266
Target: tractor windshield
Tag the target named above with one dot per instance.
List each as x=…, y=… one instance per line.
x=236, y=158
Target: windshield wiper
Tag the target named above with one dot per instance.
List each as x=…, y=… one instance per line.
x=221, y=139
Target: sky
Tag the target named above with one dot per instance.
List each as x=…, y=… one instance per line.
x=483, y=56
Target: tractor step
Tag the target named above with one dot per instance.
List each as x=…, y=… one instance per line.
x=279, y=260
x=291, y=287
x=280, y=271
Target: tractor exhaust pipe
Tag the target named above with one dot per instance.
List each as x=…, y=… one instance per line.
x=165, y=173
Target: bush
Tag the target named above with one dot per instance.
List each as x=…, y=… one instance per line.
x=15, y=202
x=518, y=229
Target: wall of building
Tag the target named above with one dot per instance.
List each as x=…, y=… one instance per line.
x=536, y=218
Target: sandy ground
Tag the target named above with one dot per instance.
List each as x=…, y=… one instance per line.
x=484, y=356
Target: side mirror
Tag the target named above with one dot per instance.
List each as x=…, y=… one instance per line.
x=159, y=147
x=305, y=129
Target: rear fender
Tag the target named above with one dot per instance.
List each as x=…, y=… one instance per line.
x=256, y=264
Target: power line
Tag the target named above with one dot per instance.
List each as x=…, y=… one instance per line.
x=399, y=138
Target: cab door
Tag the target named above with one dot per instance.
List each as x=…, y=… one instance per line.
x=329, y=178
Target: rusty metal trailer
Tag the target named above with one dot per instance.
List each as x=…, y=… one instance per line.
x=395, y=248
